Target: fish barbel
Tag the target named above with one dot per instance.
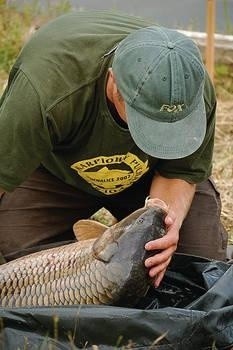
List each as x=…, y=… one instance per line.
x=107, y=268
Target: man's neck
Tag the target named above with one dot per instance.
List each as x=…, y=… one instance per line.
x=115, y=104
x=115, y=115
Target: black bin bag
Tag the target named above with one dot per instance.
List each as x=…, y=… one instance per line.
x=191, y=310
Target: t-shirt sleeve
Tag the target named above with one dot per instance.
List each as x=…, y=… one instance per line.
x=198, y=166
x=24, y=133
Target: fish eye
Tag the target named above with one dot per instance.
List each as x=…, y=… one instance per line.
x=140, y=221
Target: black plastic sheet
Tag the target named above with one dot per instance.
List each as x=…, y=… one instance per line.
x=191, y=310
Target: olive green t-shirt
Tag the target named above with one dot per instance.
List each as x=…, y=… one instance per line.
x=54, y=111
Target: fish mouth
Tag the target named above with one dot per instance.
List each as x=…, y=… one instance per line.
x=156, y=202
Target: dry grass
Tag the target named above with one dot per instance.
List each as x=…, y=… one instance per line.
x=223, y=158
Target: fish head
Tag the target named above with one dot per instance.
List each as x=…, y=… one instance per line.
x=148, y=226
x=127, y=238
x=122, y=248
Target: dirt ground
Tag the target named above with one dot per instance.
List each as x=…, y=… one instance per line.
x=223, y=159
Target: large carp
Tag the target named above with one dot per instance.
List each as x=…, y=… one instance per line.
x=106, y=268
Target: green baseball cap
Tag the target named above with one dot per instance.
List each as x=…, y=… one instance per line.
x=160, y=74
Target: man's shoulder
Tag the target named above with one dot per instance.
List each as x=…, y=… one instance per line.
x=99, y=22
x=67, y=53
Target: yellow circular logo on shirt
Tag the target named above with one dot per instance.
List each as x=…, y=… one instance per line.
x=112, y=174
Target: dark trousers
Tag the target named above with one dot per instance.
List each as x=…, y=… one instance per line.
x=43, y=210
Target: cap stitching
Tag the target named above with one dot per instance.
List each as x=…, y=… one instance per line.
x=147, y=74
x=194, y=59
x=132, y=46
x=177, y=86
x=160, y=29
x=195, y=105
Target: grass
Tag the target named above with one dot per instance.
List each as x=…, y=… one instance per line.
x=223, y=160
x=16, y=27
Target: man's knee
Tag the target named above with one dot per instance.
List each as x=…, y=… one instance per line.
x=202, y=232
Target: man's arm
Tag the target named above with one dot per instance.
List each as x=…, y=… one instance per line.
x=178, y=195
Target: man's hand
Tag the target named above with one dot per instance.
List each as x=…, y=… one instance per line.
x=158, y=263
x=178, y=195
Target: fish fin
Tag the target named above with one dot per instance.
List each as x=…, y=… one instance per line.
x=105, y=246
x=87, y=229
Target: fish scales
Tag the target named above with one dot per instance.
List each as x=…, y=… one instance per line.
x=102, y=270
x=40, y=284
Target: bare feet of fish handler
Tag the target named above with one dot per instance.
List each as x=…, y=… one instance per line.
x=167, y=245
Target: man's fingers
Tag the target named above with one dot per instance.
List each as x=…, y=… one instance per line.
x=160, y=258
x=159, y=278
x=157, y=273
x=155, y=270
x=162, y=243
x=164, y=249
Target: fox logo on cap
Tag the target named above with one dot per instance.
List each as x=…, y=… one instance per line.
x=172, y=108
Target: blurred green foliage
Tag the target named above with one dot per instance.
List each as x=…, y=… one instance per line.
x=224, y=76
x=227, y=17
x=16, y=25
x=13, y=26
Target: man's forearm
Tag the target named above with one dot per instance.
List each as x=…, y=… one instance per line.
x=176, y=193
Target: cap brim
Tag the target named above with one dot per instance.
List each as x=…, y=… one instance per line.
x=168, y=140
